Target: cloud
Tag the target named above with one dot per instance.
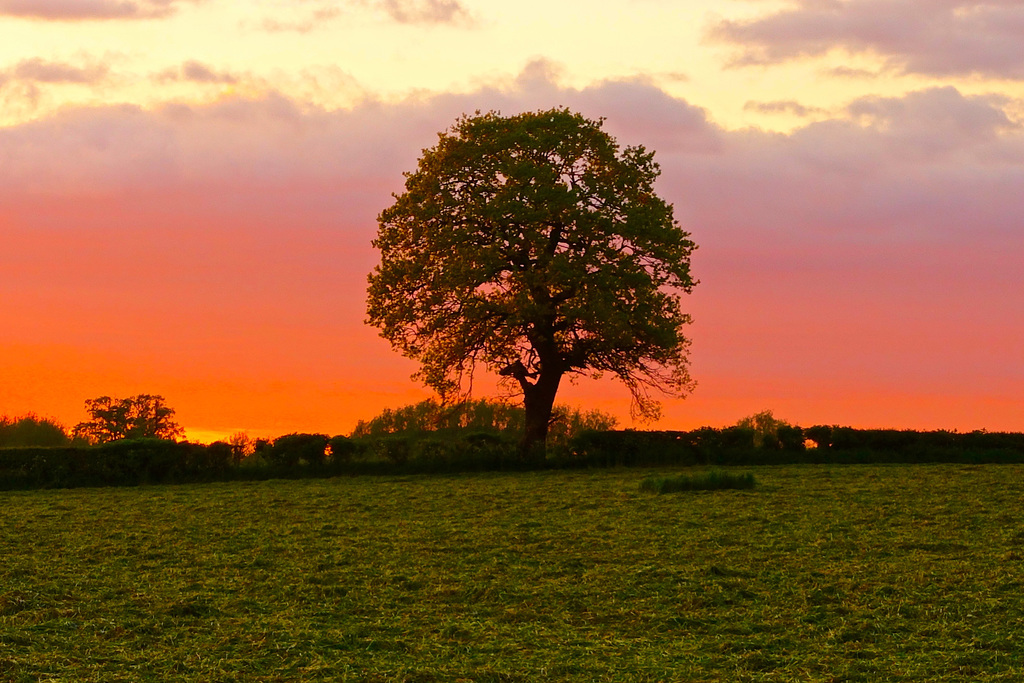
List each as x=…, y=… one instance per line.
x=197, y=72
x=28, y=74
x=939, y=38
x=83, y=10
x=426, y=11
x=933, y=166
x=321, y=14
x=271, y=139
x=783, y=107
x=311, y=15
x=936, y=119
x=851, y=72
x=41, y=71
x=835, y=179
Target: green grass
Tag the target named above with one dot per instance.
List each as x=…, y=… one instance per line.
x=855, y=573
x=715, y=480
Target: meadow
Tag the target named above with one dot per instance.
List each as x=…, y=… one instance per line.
x=818, y=573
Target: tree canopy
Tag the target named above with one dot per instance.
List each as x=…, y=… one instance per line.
x=534, y=246
x=137, y=417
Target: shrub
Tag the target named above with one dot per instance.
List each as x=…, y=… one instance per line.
x=292, y=449
x=820, y=435
x=343, y=449
x=791, y=438
x=709, y=481
x=765, y=427
x=215, y=458
x=31, y=430
x=393, y=448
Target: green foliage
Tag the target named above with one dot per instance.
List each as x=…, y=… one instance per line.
x=431, y=416
x=143, y=416
x=566, y=423
x=479, y=415
x=464, y=451
x=709, y=481
x=534, y=246
x=841, y=573
x=31, y=430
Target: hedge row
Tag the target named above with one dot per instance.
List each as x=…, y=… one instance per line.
x=119, y=462
x=154, y=461
x=299, y=455
x=819, y=444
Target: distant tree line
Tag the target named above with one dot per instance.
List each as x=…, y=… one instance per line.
x=143, y=416
x=476, y=436
x=479, y=415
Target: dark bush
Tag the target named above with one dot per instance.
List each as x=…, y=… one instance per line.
x=845, y=439
x=791, y=438
x=395, y=449
x=294, y=449
x=820, y=435
x=343, y=449
x=215, y=458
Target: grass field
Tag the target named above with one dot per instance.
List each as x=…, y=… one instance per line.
x=856, y=573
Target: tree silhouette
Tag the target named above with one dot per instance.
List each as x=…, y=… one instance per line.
x=136, y=417
x=536, y=247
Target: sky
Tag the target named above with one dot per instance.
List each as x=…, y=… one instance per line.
x=189, y=190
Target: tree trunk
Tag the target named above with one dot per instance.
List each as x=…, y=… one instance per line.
x=538, y=402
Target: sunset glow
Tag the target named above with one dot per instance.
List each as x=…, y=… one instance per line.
x=188, y=190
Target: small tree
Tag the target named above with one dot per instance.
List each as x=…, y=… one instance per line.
x=534, y=246
x=137, y=417
x=242, y=446
x=771, y=432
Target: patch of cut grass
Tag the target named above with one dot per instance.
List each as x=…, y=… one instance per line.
x=708, y=481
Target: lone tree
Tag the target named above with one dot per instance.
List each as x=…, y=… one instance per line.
x=534, y=246
x=136, y=417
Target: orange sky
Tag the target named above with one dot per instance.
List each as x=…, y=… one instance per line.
x=188, y=190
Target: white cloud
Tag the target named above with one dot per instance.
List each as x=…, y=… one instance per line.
x=937, y=38
x=198, y=72
x=38, y=70
x=83, y=10
x=783, y=107
x=426, y=11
